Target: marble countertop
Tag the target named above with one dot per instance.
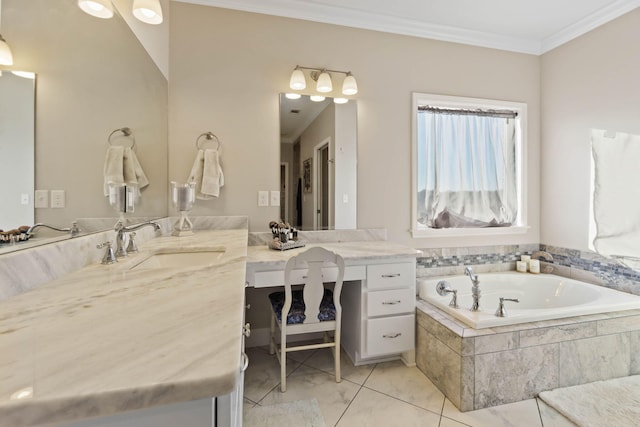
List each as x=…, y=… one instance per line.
x=107, y=339
x=265, y=258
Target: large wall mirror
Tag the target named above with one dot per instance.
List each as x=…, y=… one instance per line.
x=93, y=76
x=318, y=163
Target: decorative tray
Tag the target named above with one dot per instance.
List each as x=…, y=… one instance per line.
x=277, y=245
x=16, y=235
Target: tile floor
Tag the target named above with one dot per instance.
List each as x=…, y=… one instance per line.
x=383, y=394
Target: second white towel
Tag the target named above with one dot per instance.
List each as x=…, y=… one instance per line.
x=207, y=174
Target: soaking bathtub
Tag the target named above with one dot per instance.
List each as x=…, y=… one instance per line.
x=541, y=296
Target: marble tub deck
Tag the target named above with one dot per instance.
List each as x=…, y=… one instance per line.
x=106, y=339
x=482, y=368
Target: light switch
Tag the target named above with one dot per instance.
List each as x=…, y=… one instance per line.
x=345, y=198
x=275, y=198
x=42, y=199
x=263, y=198
x=57, y=199
x=24, y=198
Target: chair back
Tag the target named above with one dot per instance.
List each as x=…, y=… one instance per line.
x=314, y=259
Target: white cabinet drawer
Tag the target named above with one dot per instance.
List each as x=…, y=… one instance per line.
x=263, y=279
x=390, y=335
x=389, y=276
x=395, y=301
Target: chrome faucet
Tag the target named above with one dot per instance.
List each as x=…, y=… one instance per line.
x=475, y=288
x=546, y=257
x=73, y=230
x=121, y=238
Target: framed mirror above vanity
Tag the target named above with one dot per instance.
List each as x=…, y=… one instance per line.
x=318, y=163
x=93, y=76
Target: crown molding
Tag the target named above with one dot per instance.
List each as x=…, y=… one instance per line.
x=349, y=17
x=590, y=22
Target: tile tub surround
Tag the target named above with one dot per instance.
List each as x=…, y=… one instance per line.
x=105, y=339
x=483, y=368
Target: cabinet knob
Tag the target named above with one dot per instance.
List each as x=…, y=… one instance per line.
x=246, y=330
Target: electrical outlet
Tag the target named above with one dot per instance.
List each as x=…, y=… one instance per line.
x=42, y=199
x=263, y=198
x=57, y=199
x=275, y=198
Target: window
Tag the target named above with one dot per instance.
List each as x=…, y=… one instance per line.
x=468, y=166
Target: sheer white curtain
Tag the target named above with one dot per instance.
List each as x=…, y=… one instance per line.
x=616, y=195
x=467, y=170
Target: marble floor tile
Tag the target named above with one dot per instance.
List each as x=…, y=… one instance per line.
x=407, y=384
x=518, y=414
x=323, y=359
x=552, y=418
x=447, y=422
x=263, y=373
x=370, y=408
x=309, y=383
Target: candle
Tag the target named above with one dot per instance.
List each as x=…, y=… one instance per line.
x=534, y=266
x=521, y=266
x=525, y=258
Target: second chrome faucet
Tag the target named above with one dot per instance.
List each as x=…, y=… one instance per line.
x=121, y=238
x=475, y=288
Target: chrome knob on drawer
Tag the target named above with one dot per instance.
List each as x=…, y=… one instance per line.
x=246, y=330
x=393, y=335
x=391, y=302
x=388, y=276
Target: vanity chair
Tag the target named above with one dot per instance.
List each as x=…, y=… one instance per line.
x=310, y=309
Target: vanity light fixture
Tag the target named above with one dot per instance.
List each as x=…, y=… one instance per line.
x=148, y=11
x=322, y=77
x=25, y=74
x=340, y=100
x=99, y=8
x=317, y=98
x=297, y=81
x=292, y=95
x=6, y=57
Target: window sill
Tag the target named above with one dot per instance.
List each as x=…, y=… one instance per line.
x=468, y=232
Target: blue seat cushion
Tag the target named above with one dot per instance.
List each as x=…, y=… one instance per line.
x=296, y=312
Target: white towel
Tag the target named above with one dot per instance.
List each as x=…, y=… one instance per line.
x=207, y=174
x=121, y=166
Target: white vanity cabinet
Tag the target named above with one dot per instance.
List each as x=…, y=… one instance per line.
x=378, y=297
x=378, y=316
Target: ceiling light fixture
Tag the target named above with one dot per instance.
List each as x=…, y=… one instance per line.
x=6, y=57
x=99, y=8
x=322, y=77
x=148, y=11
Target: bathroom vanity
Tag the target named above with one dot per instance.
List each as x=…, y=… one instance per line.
x=135, y=343
x=378, y=296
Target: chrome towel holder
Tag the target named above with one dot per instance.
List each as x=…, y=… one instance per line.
x=209, y=136
x=126, y=132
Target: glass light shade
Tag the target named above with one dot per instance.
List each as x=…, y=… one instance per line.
x=297, y=81
x=340, y=100
x=148, y=11
x=98, y=8
x=317, y=98
x=349, y=86
x=6, y=57
x=324, y=83
x=292, y=95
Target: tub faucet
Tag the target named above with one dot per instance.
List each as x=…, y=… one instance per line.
x=121, y=229
x=546, y=257
x=475, y=288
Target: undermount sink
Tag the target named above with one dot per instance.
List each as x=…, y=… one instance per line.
x=181, y=258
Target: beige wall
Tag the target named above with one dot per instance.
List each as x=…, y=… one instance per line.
x=590, y=82
x=227, y=69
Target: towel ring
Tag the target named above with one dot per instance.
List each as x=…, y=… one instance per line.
x=209, y=136
x=127, y=133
